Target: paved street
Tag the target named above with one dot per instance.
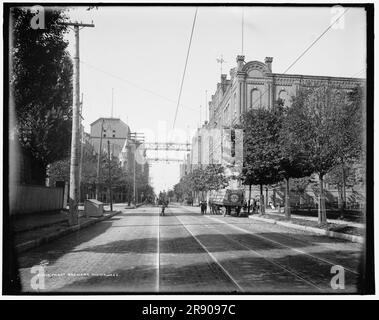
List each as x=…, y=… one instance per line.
x=139, y=251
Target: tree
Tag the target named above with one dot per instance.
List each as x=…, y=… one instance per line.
x=198, y=181
x=299, y=185
x=261, y=164
x=292, y=162
x=170, y=194
x=41, y=84
x=349, y=140
x=214, y=177
x=314, y=125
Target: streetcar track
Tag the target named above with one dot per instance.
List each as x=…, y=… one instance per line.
x=289, y=270
x=279, y=243
x=211, y=255
x=289, y=237
x=256, y=253
x=284, y=245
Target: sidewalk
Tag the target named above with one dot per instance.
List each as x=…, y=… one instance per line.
x=346, y=230
x=35, y=229
x=38, y=220
x=334, y=221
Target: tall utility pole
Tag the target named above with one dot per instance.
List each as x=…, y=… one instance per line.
x=74, y=165
x=81, y=147
x=134, y=175
x=135, y=138
x=98, y=161
x=110, y=177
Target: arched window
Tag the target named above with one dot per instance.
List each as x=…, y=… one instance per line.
x=283, y=96
x=255, y=99
x=226, y=115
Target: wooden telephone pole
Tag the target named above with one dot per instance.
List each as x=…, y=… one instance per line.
x=135, y=139
x=74, y=163
x=98, y=161
x=110, y=178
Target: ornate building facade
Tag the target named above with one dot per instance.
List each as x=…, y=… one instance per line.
x=254, y=85
x=251, y=85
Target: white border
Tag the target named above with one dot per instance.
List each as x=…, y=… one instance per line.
x=209, y=297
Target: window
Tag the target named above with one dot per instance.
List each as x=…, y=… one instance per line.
x=255, y=99
x=226, y=115
x=104, y=135
x=233, y=142
x=114, y=136
x=283, y=96
x=235, y=103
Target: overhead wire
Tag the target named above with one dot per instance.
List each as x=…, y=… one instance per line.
x=185, y=68
x=132, y=83
x=305, y=51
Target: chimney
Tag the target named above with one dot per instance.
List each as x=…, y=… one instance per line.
x=268, y=62
x=223, y=82
x=240, y=61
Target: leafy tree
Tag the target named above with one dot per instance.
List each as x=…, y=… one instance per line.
x=201, y=180
x=214, y=177
x=261, y=164
x=292, y=162
x=41, y=84
x=299, y=185
x=183, y=189
x=198, y=181
x=147, y=193
x=170, y=194
x=314, y=125
x=349, y=139
x=59, y=171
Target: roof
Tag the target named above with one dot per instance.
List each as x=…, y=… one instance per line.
x=107, y=119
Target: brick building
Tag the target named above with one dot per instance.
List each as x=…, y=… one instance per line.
x=254, y=85
x=113, y=130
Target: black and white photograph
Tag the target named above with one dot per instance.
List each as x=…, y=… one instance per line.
x=188, y=149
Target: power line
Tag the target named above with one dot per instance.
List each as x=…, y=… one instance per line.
x=131, y=83
x=355, y=74
x=305, y=51
x=185, y=67
x=317, y=39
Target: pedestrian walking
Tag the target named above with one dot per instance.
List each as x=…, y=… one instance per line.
x=254, y=205
x=202, y=207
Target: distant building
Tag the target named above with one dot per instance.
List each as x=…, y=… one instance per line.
x=185, y=167
x=113, y=130
x=117, y=133
x=134, y=150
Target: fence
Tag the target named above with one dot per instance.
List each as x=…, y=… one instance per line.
x=31, y=198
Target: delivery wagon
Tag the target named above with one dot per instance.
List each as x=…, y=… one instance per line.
x=226, y=202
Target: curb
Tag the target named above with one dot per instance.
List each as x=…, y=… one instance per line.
x=322, y=232
x=53, y=236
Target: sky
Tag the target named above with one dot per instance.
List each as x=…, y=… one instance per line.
x=140, y=52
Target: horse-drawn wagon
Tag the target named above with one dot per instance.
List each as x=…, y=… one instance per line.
x=227, y=202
